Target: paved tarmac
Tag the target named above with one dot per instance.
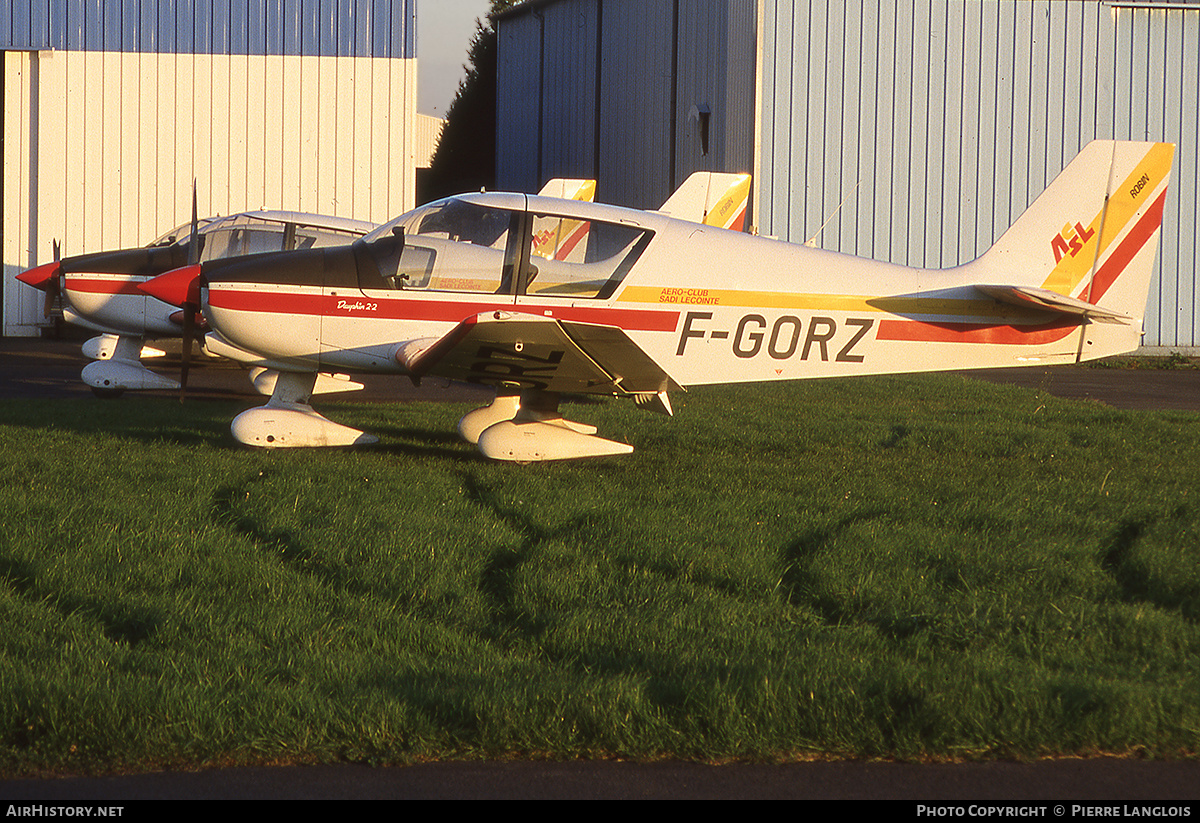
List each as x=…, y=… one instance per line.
x=50, y=368
x=1123, y=388
x=1102, y=779
x=35, y=367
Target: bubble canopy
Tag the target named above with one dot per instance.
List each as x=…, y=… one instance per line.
x=493, y=244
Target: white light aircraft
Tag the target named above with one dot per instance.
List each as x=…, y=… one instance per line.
x=709, y=198
x=100, y=293
x=646, y=304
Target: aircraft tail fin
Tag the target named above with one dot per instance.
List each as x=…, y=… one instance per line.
x=569, y=189
x=712, y=198
x=1091, y=236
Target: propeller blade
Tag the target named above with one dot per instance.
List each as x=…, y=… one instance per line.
x=180, y=287
x=55, y=285
x=189, y=331
x=194, y=242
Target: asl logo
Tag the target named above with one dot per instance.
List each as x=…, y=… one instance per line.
x=1070, y=241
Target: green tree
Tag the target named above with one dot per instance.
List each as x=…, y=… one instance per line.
x=465, y=159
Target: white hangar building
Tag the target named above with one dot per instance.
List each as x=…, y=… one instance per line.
x=113, y=107
x=935, y=121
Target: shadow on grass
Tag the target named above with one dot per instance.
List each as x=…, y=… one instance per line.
x=142, y=419
x=1136, y=582
x=287, y=546
x=414, y=442
x=802, y=550
x=204, y=422
x=898, y=433
x=120, y=622
x=807, y=588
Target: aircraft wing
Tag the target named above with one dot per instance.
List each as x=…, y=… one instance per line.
x=537, y=352
x=1029, y=297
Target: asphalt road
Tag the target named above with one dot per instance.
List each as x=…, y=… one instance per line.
x=33, y=367
x=50, y=368
x=1102, y=779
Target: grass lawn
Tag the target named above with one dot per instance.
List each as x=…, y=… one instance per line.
x=918, y=567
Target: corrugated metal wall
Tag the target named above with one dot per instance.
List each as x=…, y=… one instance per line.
x=605, y=89
x=518, y=71
x=639, y=108
x=104, y=134
x=316, y=28
x=943, y=119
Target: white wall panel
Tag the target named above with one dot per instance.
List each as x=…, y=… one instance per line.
x=19, y=241
x=52, y=137
x=101, y=147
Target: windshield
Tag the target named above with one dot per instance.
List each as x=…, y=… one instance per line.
x=448, y=245
x=240, y=234
x=246, y=234
x=179, y=234
x=456, y=245
x=451, y=219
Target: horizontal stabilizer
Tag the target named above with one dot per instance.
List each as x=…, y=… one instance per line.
x=1029, y=297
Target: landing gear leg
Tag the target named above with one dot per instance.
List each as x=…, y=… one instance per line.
x=504, y=407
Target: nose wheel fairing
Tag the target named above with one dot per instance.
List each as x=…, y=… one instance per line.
x=118, y=367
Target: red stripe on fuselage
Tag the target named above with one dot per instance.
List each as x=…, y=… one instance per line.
x=354, y=305
x=1134, y=242
x=98, y=285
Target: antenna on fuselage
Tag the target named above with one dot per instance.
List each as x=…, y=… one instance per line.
x=812, y=241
